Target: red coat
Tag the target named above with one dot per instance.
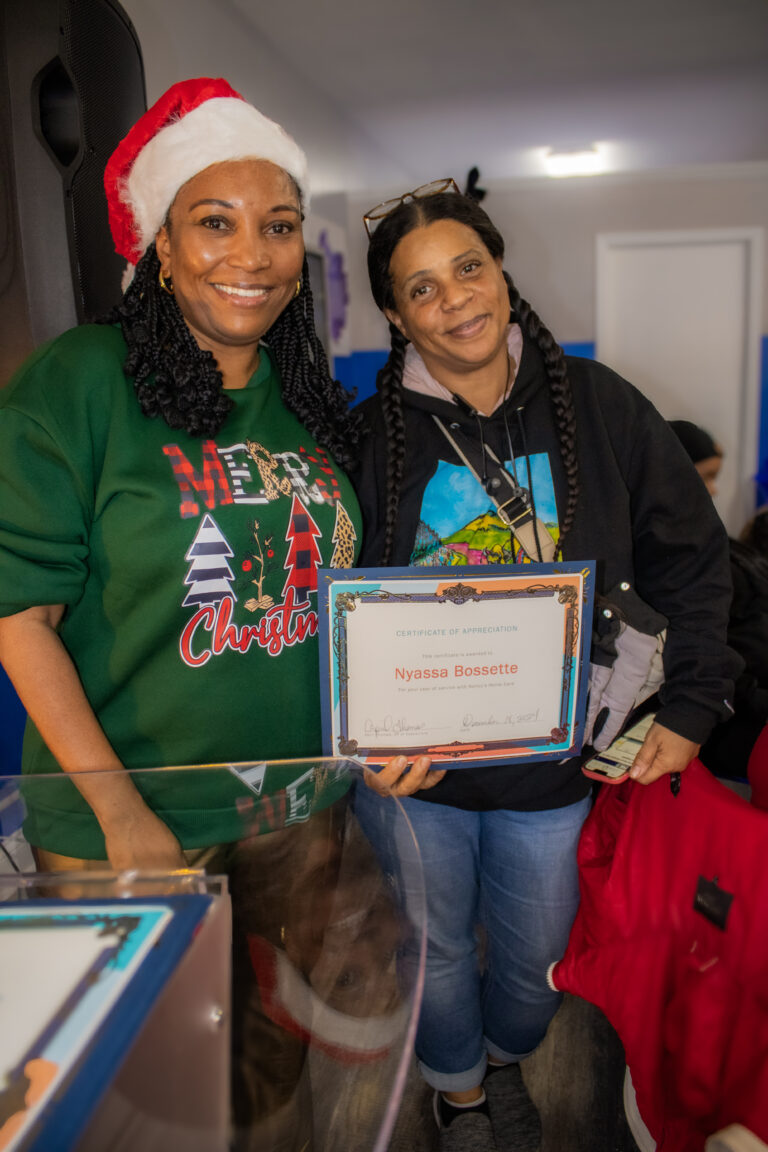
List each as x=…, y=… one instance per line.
x=688, y=998
x=757, y=771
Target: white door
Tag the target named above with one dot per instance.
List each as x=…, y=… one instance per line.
x=678, y=314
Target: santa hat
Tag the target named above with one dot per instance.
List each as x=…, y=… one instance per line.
x=196, y=123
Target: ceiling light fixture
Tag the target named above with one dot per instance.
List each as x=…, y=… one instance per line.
x=584, y=162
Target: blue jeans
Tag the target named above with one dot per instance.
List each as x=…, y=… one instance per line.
x=513, y=874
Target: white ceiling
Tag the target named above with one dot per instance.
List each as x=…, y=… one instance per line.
x=441, y=85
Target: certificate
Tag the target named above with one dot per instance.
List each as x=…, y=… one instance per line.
x=475, y=666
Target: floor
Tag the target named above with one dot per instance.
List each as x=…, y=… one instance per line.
x=575, y=1079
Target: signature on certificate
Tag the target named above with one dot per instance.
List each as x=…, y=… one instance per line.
x=392, y=726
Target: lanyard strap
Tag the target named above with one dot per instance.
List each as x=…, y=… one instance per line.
x=510, y=500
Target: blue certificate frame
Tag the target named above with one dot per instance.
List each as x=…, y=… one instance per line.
x=480, y=665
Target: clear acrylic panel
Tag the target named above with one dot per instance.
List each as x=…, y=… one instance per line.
x=274, y=1010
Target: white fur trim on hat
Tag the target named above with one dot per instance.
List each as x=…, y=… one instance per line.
x=221, y=129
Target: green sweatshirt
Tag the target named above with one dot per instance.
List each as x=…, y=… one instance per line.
x=188, y=569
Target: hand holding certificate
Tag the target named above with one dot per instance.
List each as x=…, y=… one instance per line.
x=401, y=777
x=468, y=666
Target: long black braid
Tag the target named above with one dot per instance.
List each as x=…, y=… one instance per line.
x=178, y=381
x=388, y=383
x=309, y=390
x=414, y=214
x=172, y=376
x=560, y=394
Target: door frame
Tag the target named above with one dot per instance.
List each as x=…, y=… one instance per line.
x=753, y=240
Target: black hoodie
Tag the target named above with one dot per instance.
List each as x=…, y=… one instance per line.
x=643, y=515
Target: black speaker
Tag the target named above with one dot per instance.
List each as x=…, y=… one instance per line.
x=71, y=85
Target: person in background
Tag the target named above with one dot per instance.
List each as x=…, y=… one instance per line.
x=171, y=482
x=601, y=477
x=727, y=752
x=754, y=534
x=705, y=453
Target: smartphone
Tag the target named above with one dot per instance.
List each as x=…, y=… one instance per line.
x=613, y=765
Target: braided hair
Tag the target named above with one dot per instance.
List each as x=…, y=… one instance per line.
x=416, y=214
x=559, y=392
x=176, y=379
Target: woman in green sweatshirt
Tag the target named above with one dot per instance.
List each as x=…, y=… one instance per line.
x=171, y=484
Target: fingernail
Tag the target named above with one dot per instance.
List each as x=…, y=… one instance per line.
x=400, y=762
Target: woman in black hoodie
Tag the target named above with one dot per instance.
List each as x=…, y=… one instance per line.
x=601, y=477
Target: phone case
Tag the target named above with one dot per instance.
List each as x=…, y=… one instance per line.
x=613, y=764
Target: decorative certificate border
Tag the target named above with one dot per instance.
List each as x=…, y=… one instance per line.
x=494, y=732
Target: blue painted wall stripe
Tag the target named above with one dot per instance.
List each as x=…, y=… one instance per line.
x=358, y=372
x=762, y=470
x=11, y=727
x=584, y=348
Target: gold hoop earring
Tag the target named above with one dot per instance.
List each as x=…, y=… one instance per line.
x=298, y=289
x=165, y=284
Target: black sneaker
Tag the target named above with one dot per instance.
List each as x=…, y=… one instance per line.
x=514, y=1117
x=469, y=1131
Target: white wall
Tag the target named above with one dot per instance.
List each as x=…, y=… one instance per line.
x=550, y=227
x=550, y=230
x=185, y=38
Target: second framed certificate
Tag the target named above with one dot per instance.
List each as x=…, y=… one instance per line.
x=475, y=666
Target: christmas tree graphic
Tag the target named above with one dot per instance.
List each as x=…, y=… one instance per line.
x=343, y=538
x=209, y=576
x=303, y=557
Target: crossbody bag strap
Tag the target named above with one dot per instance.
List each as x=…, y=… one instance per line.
x=512, y=502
